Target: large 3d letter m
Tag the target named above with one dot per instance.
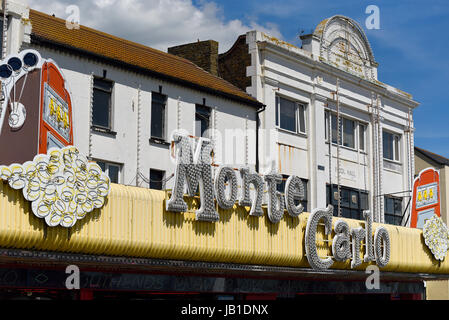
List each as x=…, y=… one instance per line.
x=193, y=169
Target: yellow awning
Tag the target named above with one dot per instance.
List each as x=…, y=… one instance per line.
x=134, y=223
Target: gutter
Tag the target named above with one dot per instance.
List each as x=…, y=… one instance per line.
x=262, y=109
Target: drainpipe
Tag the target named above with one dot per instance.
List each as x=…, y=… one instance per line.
x=380, y=160
x=262, y=109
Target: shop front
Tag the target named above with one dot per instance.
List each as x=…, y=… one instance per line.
x=132, y=248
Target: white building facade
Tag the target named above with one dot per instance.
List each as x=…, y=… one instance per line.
x=123, y=115
x=307, y=91
x=317, y=112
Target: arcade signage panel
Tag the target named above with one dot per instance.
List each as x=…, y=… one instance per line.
x=63, y=186
x=194, y=171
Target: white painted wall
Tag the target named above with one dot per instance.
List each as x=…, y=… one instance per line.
x=122, y=148
x=276, y=68
x=281, y=68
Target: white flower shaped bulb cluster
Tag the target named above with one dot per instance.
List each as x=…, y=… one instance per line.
x=436, y=237
x=62, y=185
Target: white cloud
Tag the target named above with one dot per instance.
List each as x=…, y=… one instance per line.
x=157, y=23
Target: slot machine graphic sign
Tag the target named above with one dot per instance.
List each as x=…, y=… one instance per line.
x=37, y=155
x=36, y=107
x=426, y=197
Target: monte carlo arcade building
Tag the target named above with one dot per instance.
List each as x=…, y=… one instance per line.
x=310, y=125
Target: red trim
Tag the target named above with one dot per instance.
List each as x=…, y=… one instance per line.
x=86, y=294
x=56, y=82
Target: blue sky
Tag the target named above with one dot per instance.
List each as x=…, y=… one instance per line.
x=411, y=47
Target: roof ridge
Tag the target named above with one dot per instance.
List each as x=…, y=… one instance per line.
x=117, y=38
x=438, y=155
x=226, y=86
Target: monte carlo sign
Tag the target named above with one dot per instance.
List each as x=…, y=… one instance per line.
x=194, y=171
x=39, y=158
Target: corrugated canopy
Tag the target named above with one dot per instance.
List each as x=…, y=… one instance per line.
x=134, y=223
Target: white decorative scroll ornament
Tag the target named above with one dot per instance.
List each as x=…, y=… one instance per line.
x=343, y=44
x=436, y=237
x=61, y=185
x=18, y=115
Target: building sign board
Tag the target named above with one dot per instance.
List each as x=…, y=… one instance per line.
x=194, y=171
x=36, y=112
x=61, y=184
x=426, y=197
x=56, y=112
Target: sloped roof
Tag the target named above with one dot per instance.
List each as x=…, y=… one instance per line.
x=433, y=156
x=49, y=30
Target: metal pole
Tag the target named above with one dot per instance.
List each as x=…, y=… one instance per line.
x=5, y=29
x=338, y=148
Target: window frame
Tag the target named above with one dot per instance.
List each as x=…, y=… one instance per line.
x=162, y=180
x=209, y=114
x=342, y=136
x=396, y=147
x=353, y=136
x=355, y=210
x=298, y=113
x=111, y=102
x=360, y=138
x=397, y=217
x=108, y=164
x=328, y=136
x=164, y=117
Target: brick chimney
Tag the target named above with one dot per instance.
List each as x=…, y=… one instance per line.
x=202, y=53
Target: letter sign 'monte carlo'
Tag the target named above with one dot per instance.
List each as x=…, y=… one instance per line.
x=341, y=242
x=195, y=170
x=382, y=256
x=357, y=236
x=226, y=173
x=369, y=253
x=275, y=199
x=247, y=179
x=294, y=189
x=344, y=237
x=311, y=229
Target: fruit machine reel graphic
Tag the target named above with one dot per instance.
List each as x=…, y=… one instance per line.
x=426, y=197
x=36, y=107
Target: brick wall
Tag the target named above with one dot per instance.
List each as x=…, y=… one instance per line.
x=232, y=64
x=203, y=53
